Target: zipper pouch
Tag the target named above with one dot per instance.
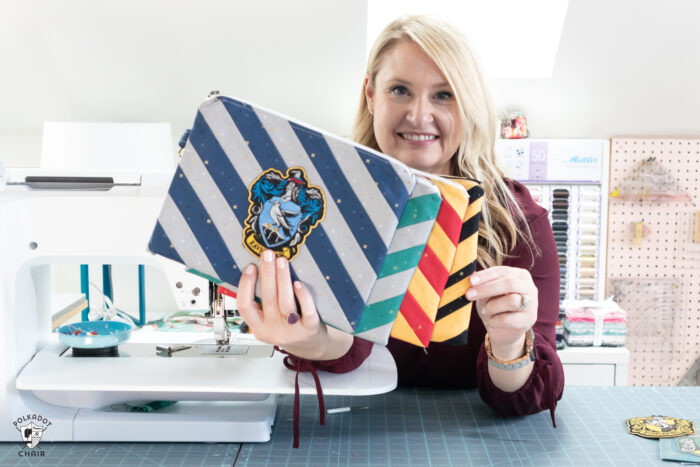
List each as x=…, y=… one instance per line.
x=250, y=179
x=419, y=308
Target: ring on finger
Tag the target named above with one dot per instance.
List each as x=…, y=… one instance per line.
x=292, y=317
x=524, y=302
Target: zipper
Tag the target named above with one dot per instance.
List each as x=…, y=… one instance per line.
x=455, y=177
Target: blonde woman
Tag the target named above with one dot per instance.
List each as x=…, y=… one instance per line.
x=424, y=101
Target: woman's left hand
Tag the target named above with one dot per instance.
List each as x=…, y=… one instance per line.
x=506, y=300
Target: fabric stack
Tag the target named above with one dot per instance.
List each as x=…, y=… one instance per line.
x=385, y=250
x=594, y=323
x=579, y=326
x=560, y=330
x=614, y=328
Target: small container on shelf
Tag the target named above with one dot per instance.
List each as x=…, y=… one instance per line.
x=514, y=126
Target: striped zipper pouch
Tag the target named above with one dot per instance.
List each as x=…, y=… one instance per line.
x=454, y=311
x=250, y=179
x=405, y=252
x=419, y=308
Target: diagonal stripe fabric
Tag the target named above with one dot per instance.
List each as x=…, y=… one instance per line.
x=455, y=310
x=251, y=179
x=235, y=140
x=179, y=237
x=159, y=236
x=400, y=263
x=351, y=251
x=420, y=304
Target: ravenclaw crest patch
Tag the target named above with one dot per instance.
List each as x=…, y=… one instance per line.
x=283, y=211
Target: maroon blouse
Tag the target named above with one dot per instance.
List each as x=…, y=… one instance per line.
x=465, y=366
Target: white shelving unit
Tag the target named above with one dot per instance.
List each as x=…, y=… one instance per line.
x=595, y=366
x=579, y=168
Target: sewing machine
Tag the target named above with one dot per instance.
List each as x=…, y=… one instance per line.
x=226, y=384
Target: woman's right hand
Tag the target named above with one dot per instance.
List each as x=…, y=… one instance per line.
x=278, y=321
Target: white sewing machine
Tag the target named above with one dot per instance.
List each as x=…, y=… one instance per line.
x=78, y=220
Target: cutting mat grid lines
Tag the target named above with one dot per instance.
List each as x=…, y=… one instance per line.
x=417, y=427
x=122, y=454
x=657, y=278
x=420, y=427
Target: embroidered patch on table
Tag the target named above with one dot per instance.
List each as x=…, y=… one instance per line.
x=660, y=426
x=689, y=445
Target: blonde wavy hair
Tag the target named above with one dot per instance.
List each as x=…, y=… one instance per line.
x=502, y=221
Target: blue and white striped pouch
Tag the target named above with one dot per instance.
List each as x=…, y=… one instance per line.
x=251, y=179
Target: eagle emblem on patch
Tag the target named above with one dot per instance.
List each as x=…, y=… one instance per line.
x=660, y=426
x=283, y=210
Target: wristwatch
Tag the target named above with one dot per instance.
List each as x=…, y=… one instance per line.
x=518, y=362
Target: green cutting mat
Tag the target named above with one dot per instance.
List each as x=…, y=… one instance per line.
x=422, y=427
x=418, y=427
x=122, y=454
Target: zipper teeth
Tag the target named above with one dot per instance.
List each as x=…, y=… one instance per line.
x=456, y=177
x=452, y=176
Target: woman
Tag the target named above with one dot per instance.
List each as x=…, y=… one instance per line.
x=424, y=101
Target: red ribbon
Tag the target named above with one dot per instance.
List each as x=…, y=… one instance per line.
x=301, y=365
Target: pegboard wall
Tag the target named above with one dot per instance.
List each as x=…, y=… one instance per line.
x=653, y=258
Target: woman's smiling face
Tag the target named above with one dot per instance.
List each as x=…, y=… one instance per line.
x=416, y=117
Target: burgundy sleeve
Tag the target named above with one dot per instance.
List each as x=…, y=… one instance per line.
x=546, y=383
x=353, y=358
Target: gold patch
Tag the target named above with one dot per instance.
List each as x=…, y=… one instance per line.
x=660, y=426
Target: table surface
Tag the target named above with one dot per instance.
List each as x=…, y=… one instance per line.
x=416, y=427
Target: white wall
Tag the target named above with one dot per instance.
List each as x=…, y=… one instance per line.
x=156, y=60
x=623, y=67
